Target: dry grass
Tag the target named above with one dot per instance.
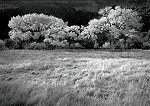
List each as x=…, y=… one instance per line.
x=74, y=78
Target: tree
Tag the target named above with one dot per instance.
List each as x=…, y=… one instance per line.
x=117, y=23
x=32, y=26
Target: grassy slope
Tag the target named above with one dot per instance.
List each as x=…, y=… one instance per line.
x=74, y=78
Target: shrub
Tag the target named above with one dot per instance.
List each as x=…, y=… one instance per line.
x=120, y=44
x=146, y=45
x=69, y=36
x=134, y=43
x=12, y=44
x=72, y=34
x=145, y=38
x=88, y=39
x=64, y=37
x=55, y=37
x=2, y=45
x=37, y=46
x=53, y=43
x=78, y=46
x=106, y=45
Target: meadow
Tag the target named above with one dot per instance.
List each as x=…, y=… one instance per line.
x=74, y=78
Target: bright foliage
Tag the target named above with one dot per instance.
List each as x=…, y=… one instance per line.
x=119, y=28
x=116, y=23
x=32, y=25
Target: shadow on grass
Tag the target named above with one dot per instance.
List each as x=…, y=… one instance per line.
x=12, y=94
x=16, y=94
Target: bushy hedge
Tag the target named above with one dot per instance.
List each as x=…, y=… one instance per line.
x=145, y=37
x=11, y=44
x=37, y=46
x=2, y=45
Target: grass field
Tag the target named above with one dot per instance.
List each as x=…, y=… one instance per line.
x=74, y=78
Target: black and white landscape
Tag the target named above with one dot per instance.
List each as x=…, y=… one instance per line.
x=75, y=53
